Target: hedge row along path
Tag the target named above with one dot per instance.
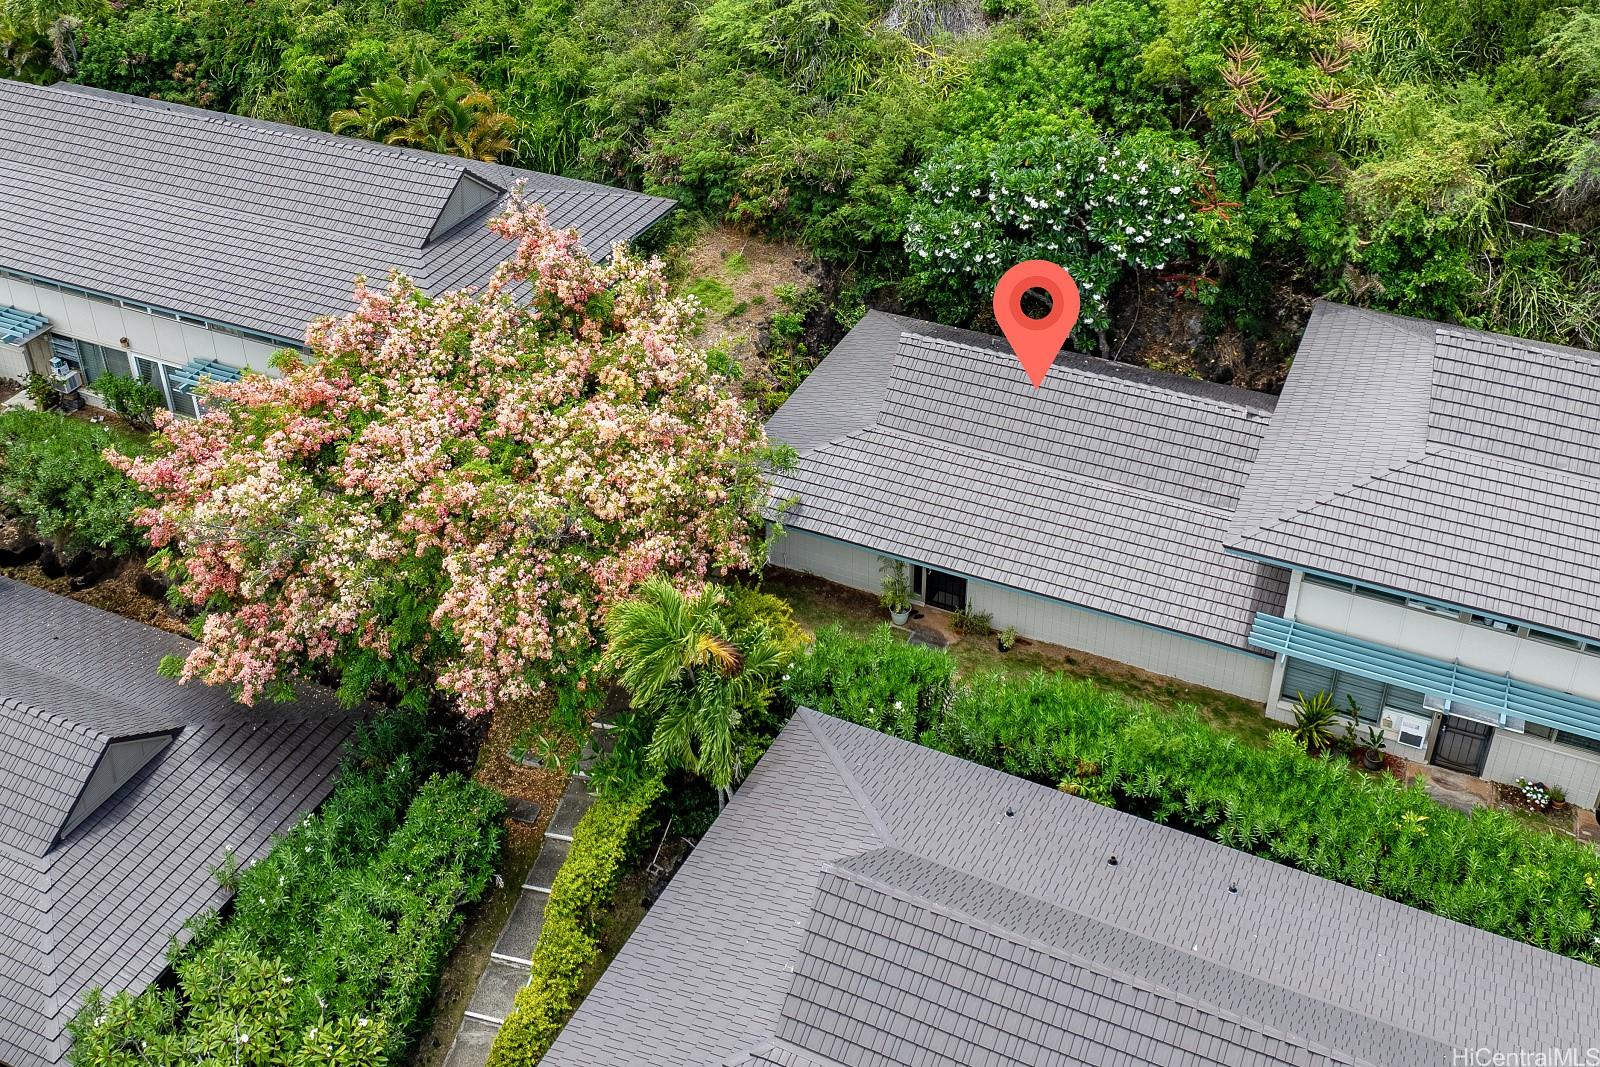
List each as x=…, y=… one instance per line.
x=508, y=967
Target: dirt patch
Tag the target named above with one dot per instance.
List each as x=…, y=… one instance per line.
x=1160, y=325
x=118, y=594
x=485, y=920
x=739, y=279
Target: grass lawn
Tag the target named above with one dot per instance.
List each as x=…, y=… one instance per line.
x=819, y=604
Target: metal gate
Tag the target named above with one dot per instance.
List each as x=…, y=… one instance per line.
x=946, y=591
x=1463, y=745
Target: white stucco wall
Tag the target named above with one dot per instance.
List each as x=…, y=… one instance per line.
x=1566, y=670
x=1148, y=648
x=154, y=337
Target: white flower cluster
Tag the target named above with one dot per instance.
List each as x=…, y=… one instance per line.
x=1094, y=209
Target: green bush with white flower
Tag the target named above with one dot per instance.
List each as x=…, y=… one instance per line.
x=1093, y=204
x=337, y=937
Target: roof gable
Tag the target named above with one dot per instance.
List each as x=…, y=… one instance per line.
x=1460, y=466
x=952, y=914
x=153, y=812
x=250, y=224
x=64, y=750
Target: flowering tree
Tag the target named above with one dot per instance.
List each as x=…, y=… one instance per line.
x=1092, y=206
x=454, y=490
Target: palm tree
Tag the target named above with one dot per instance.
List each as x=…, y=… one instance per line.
x=437, y=111
x=684, y=668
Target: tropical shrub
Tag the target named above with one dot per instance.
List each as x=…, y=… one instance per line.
x=133, y=398
x=457, y=487
x=692, y=674
x=337, y=938
x=607, y=840
x=53, y=474
x=1095, y=205
x=1485, y=869
x=879, y=681
x=1314, y=718
x=436, y=111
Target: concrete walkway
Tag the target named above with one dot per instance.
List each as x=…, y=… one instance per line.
x=507, y=968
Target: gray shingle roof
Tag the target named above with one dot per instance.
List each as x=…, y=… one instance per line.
x=1452, y=464
x=867, y=902
x=1109, y=487
x=252, y=224
x=98, y=908
x=53, y=734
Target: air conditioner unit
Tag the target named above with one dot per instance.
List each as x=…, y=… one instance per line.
x=1403, y=728
x=69, y=382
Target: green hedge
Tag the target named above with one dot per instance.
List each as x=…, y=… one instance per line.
x=338, y=936
x=53, y=473
x=606, y=840
x=1485, y=869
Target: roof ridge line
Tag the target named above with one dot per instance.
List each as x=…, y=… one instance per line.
x=857, y=790
x=1366, y=478
x=445, y=164
x=1078, y=960
x=1132, y=374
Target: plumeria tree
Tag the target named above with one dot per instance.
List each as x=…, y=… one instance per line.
x=453, y=490
x=1093, y=205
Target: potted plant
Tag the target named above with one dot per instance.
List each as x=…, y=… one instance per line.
x=1006, y=639
x=896, y=591
x=1372, y=758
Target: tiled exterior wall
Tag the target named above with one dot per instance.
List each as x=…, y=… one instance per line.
x=1151, y=649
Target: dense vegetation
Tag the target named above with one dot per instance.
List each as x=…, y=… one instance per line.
x=448, y=497
x=54, y=476
x=1485, y=869
x=330, y=955
x=1437, y=158
x=607, y=840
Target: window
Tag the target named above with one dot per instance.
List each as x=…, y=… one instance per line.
x=1562, y=737
x=1370, y=696
x=100, y=360
x=1493, y=624
x=1548, y=638
x=1432, y=609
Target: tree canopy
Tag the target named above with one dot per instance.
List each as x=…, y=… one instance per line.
x=454, y=488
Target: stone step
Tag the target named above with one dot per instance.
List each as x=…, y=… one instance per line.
x=574, y=802
x=471, y=1046
x=523, y=811
x=521, y=931
x=497, y=989
x=545, y=865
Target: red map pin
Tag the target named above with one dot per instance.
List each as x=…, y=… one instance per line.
x=1036, y=341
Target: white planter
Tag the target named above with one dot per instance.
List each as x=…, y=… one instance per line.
x=899, y=617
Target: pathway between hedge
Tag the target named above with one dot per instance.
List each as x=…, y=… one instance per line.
x=508, y=966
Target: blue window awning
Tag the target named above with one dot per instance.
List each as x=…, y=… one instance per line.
x=1497, y=693
x=191, y=374
x=18, y=327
